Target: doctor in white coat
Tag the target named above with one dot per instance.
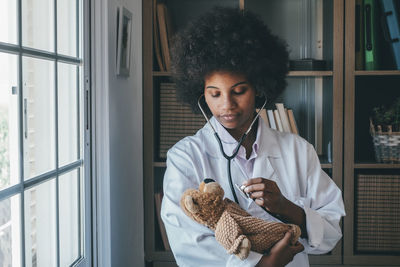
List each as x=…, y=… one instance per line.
x=281, y=171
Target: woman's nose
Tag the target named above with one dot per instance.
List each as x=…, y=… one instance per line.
x=228, y=102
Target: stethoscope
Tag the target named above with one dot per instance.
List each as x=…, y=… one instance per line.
x=229, y=158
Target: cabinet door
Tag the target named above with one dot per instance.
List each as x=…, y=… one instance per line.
x=372, y=188
x=313, y=29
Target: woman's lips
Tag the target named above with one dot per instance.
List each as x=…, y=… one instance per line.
x=229, y=117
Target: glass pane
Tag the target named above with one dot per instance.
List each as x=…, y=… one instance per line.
x=38, y=24
x=40, y=225
x=69, y=218
x=9, y=134
x=311, y=98
x=10, y=248
x=66, y=27
x=8, y=21
x=39, y=116
x=67, y=114
x=306, y=26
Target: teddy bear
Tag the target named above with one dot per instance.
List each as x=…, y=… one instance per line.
x=235, y=229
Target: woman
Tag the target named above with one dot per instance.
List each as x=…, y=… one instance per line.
x=230, y=63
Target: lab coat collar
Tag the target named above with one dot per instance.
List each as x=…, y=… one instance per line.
x=268, y=143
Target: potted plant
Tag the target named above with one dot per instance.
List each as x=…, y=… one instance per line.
x=385, y=131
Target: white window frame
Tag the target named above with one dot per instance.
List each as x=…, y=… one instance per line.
x=87, y=231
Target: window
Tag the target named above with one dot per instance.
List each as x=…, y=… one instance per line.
x=44, y=173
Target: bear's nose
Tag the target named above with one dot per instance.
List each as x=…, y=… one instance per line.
x=208, y=180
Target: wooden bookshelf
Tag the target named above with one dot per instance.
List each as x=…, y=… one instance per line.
x=361, y=89
x=338, y=79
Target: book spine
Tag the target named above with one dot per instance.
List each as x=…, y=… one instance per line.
x=292, y=122
x=271, y=119
x=263, y=115
x=283, y=118
x=278, y=121
x=371, y=23
x=156, y=38
x=163, y=35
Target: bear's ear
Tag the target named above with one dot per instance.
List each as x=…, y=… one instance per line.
x=190, y=205
x=214, y=188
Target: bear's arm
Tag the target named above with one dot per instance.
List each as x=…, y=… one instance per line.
x=229, y=234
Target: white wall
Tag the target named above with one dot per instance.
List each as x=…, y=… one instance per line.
x=126, y=138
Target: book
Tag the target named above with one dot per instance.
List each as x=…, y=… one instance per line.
x=392, y=19
x=283, y=117
x=278, y=121
x=263, y=115
x=271, y=119
x=162, y=23
x=371, y=40
x=157, y=200
x=156, y=38
x=359, y=42
x=292, y=122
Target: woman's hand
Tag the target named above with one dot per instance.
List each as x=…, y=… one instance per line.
x=281, y=253
x=267, y=194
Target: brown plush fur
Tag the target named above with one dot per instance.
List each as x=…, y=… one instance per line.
x=235, y=229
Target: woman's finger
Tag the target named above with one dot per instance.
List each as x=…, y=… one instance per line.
x=251, y=181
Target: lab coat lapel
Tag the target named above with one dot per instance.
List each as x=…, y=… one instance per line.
x=270, y=163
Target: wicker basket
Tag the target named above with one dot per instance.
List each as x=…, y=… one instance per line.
x=386, y=144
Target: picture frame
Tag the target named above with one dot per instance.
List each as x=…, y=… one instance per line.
x=124, y=32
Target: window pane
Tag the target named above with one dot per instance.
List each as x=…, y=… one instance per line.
x=67, y=114
x=39, y=116
x=69, y=218
x=66, y=27
x=10, y=232
x=8, y=21
x=9, y=160
x=38, y=24
x=40, y=225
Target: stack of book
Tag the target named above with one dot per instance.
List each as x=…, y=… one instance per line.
x=162, y=33
x=281, y=119
x=176, y=120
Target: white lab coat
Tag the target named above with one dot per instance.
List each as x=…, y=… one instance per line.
x=285, y=158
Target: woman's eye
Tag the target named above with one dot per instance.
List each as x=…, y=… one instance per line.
x=215, y=95
x=239, y=91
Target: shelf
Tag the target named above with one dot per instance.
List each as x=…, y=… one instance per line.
x=310, y=73
x=160, y=256
x=376, y=72
x=290, y=74
x=376, y=166
x=162, y=73
x=159, y=164
x=326, y=166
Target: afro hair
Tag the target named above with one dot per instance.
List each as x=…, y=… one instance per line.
x=228, y=39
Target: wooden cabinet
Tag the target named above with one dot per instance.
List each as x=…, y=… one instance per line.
x=328, y=106
x=371, y=190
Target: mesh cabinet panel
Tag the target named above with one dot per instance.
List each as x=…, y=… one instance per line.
x=377, y=214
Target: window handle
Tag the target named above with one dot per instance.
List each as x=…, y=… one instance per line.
x=14, y=90
x=25, y=118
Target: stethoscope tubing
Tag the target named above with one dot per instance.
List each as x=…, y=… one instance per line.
x=229, y=158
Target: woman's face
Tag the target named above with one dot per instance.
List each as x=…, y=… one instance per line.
x=231, y=99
